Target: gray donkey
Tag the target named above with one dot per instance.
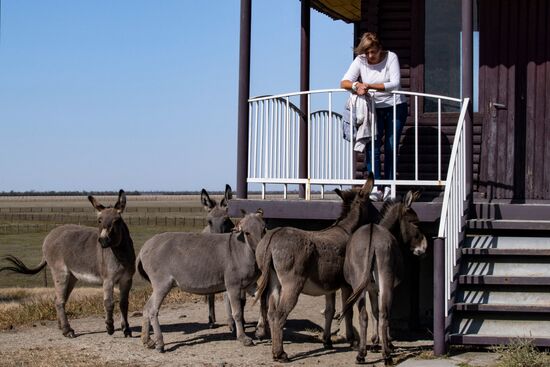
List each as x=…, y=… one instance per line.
x=103, y=255
x=295, y=261
x=378, y=249
x=218, y=221
x=200, y=263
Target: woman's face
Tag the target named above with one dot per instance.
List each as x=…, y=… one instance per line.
x=374, y=55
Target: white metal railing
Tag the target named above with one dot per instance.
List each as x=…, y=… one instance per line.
x=452, y=211
x=274, y=142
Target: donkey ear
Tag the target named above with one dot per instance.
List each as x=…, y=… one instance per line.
x=121, y=202
x=243, y=212
x=339, y=193
x=260, y=212
x=206, y=201
x=409, y=198
x=97, y=206
x=416, y=194
x=228, y=195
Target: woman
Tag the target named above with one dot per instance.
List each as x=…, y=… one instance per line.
x=378, y=70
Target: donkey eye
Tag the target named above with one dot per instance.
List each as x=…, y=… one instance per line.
x=99, y=220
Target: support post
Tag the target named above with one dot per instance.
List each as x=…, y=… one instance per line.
x=439, y=330
x=244, y=93
x=304, y=86
x=468, y=92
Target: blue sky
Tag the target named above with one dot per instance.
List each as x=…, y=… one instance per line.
x=142, y=94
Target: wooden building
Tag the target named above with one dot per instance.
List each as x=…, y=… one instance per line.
x=494, y=54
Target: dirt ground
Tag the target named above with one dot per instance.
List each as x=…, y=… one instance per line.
x=188, y=342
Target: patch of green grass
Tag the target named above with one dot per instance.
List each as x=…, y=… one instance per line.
x=521, y=353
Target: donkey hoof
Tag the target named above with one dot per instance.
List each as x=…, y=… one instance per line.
x=375, y=348
x=388, y=361
x=360, y=359
x=211, y=325
x=261, y=334
x=247, y=342
x=149, y=344
x=160, y=348
x=110, y=329
x=328, y=344
x=127, y=333
x=69, y=333
x=282, y=357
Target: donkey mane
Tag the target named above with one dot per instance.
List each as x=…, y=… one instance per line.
x=387, y=205
x=347, y=200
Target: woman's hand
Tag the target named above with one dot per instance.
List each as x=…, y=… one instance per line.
x=362, y=88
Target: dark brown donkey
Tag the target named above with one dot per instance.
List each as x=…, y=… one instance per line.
x=379, y=249
x=103, y=255
x=218, y=221
x=295, y=261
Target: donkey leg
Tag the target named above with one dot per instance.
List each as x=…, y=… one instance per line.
x=230, y=321
x=330, y=309
x=262, y=328
x=109, y=305
x=124, y=287
x=350, y=336
x=211, y=298
x=159, y=292
x=287, y=301
x=363, y=326
x=243, y=303
x=234, y=295
x=375, y=339
x=385, y=300
x=146, y=325
x=64, y=284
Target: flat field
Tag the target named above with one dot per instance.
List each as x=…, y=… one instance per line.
x=25, y=221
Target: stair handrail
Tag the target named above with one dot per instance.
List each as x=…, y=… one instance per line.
x=452, y=210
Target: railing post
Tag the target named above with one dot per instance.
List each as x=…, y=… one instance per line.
x=440, y=339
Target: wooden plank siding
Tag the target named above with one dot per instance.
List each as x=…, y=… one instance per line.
x=400, y=26
x=514, y=72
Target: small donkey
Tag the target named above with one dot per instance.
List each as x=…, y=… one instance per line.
x=218, y=221
x=105, y=256
x=200, y=263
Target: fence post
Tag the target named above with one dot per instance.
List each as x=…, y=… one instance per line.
x=440, y=338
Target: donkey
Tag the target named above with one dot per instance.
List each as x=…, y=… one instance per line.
x=295, y=261
x=218, y=222
x=104, y=255
x=200, y=263
x=378, y=248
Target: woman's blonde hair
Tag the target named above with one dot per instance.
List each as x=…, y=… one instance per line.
x=368, y=40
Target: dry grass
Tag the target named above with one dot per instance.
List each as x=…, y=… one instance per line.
x=50, y=357
x=21, y=306
x=521, y=353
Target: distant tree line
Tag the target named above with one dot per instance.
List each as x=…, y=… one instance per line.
x=95, y=193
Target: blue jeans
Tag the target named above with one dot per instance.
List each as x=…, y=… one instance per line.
x=384, y=127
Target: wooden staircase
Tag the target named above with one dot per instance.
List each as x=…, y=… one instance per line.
x=503, y=281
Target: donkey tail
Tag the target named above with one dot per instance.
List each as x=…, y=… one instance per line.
x=265, y=266
x=19, y=267
x=142, y=271
x=364, y=284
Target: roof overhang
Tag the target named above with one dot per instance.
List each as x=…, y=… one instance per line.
x=348, y=11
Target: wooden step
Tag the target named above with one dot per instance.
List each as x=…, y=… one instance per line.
x=477, y=307
x=502, y=280
x=472, y=339
x=509, y=224
x=506, y=252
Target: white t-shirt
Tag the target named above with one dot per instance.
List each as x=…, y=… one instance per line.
x=386, y=71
